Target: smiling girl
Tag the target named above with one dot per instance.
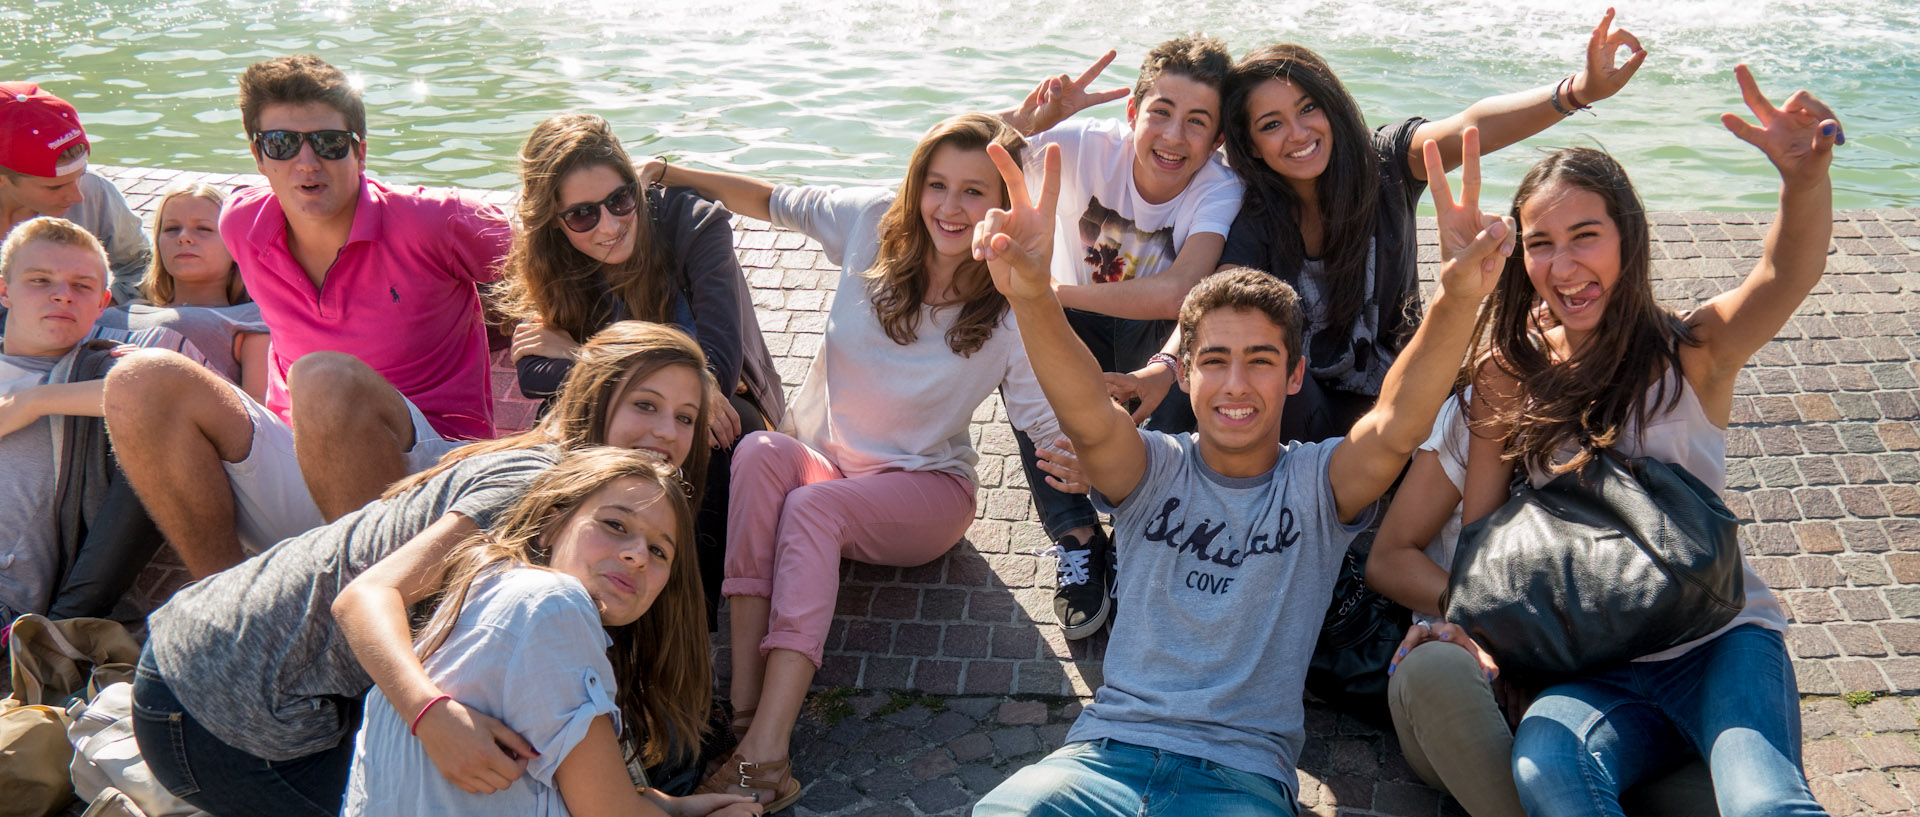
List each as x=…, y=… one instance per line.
x=1584, y=360
x=882, y=467
x=597, y=246
x=578, y=622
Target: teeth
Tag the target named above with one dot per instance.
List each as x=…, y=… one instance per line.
x=1166, y=158
x=1238, y=414
x=1304, y=152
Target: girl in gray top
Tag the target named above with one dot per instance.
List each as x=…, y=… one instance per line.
x=248, y=693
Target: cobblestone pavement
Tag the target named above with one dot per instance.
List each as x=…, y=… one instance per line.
x=1822, y=467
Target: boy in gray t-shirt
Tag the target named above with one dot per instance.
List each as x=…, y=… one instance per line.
x=1228, y=541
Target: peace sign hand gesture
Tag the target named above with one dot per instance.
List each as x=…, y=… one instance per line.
x=1600, y=78
x=1057, y=98
x=1797, y=137
x=1473, y=245
x=1017, y=243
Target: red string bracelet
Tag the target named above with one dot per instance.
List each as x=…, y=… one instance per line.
x=414, y=729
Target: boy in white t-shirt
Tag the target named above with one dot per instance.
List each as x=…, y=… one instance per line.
x=1145, y=205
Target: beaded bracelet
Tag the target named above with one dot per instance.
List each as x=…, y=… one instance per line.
x=1172, y=363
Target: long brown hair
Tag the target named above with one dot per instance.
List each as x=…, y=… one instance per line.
x=1348, y=190
x=621, y=354
x=545, y=278
x=1620, y=373
x=897, y=281
x=157, y=284
x=660, y=661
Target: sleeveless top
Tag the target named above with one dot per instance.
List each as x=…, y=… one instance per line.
x=1684, y=436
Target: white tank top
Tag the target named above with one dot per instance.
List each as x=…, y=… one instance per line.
x=1684, y=436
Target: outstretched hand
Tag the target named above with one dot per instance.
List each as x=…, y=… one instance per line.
x=1056, y=98
x=1017, y=243
x=1797, y=137
x=1473, y=245
x=1601, y=78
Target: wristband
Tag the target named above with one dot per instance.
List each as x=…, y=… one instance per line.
x=1172, y=363
x=664, y=164
x=414, y=728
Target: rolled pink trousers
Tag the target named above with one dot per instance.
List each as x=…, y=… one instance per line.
x=792, y=515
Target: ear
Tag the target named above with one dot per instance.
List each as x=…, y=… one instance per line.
x=1220, y=135
x=5, y=302
x=1133, y=109
x=1297, y=377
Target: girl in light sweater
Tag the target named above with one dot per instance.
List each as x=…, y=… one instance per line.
x=882, y=467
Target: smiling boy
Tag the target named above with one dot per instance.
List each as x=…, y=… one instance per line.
x=1231, y=540
x=1145, y=206
x=378, y=363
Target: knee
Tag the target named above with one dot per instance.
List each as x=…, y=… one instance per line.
x=151, y=384
x=1434, y=670
x=333, y=385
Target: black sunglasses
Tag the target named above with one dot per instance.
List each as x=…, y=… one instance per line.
x=281, y=145
x=583, y=217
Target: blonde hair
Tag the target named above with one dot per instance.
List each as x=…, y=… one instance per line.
x=157, y=285
x=54, y=231
x=661, y=672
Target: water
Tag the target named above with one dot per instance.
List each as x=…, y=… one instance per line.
x=839, y=91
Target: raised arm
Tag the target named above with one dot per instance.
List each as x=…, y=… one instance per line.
x=472, y=750
x=1509, y=118
x=1798, y=138
x=1057, y=98
x=1017, y=245
x=1472, y=247
x=745, y=195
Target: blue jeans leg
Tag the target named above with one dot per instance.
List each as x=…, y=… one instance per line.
x=207, y=773
x=1113, y=779
x=1732, y=700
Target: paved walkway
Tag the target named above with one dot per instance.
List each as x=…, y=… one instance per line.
x=962, y=677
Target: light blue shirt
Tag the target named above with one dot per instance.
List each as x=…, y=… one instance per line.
x=528, y=649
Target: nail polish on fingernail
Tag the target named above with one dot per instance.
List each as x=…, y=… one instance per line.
x=1840, y=138
x=1826, y=130
x=1446, y=635
x=1403, y=653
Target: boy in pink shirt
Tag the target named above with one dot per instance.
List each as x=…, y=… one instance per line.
x=379, y=353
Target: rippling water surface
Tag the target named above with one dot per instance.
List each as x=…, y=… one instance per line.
x=839, y=91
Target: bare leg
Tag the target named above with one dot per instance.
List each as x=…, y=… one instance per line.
x=788, y=675
x=351, y=431
x=748, y=615
x=172, y=424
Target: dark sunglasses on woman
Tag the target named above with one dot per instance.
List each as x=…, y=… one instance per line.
x=583, y=217
x=281, y=145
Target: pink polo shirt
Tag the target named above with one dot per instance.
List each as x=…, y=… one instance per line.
x=401, y=296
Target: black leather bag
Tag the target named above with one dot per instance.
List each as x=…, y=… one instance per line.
x=1357, y=640
x=1620, y=559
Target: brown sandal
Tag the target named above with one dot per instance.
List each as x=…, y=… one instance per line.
x=771, y=783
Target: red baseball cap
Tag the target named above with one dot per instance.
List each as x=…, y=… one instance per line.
x=35, y=128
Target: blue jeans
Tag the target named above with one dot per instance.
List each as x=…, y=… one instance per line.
x=1732, y=700
x=215, y=777
x=1106, y=777
x=1118, y=345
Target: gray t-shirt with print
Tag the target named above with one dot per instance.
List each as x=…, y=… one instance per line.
x=1222, y=585
x=254, y=653
x=28, y=550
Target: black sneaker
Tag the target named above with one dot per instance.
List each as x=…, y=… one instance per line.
x=1084, y=572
